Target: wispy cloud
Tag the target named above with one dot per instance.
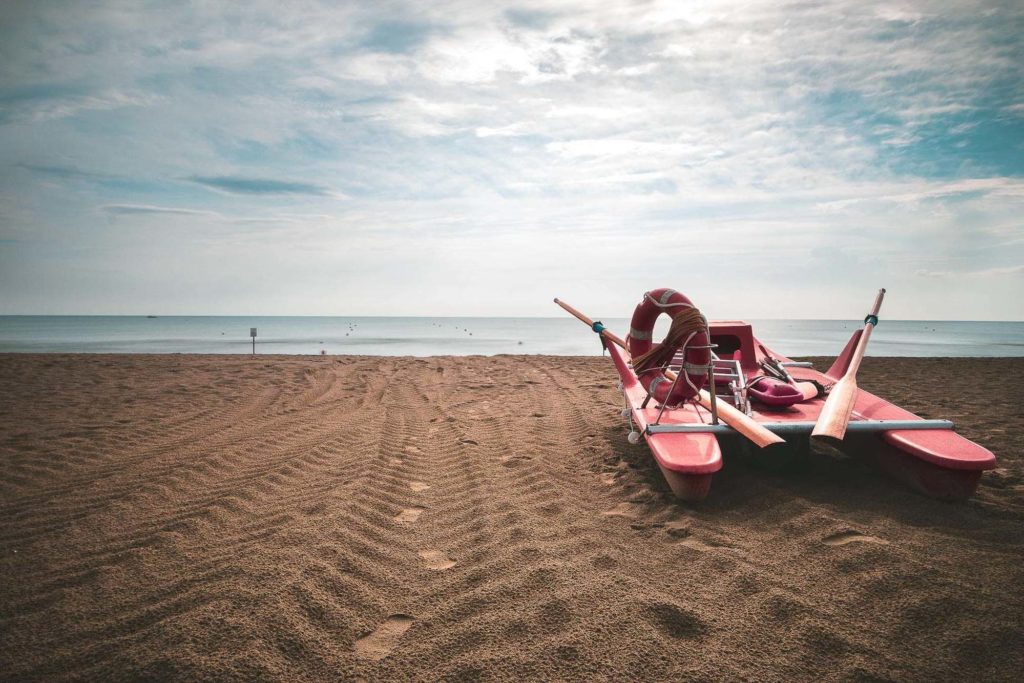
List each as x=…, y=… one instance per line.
x=982, y=272
x=64, y=172
x=143, y=209
x=117, y=210
x=261, y=186
x=398, y=36
x=48, y=107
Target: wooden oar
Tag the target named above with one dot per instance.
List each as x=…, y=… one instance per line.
x=739, y=421
x=835, y=414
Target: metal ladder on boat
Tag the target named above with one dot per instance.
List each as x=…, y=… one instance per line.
x=730, y=372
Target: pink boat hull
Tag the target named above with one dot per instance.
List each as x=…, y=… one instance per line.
x=937, y=462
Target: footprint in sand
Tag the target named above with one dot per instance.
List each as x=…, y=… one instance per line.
x=849, y=536
x=706, y=545
x=696, y=544
x=675, y=622
x=395, y=461
x=380, y=643
x=622, y=510
x=409, y=515
x=315, y=509
x=418, y=486
x=678, y=528
x=436, y=559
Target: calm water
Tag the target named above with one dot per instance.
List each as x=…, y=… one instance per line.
x=464, y=336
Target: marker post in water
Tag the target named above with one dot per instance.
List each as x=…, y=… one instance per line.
x=252, y=333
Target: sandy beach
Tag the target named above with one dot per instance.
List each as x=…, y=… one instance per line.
x=470, y=518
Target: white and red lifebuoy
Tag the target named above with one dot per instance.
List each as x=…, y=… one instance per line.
x=697, y=356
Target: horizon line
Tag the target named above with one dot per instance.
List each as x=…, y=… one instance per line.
x=479, y=317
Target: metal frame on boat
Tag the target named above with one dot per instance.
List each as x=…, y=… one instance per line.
x=787, y=428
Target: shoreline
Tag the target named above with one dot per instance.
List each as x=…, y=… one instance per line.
x=429, y=337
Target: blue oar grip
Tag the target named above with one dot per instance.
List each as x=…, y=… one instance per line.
x=598, y=326
x=873, y=319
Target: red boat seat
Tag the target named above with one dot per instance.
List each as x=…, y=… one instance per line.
x=774, y=393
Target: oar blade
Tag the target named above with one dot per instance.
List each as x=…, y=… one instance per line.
x=747, y=426
x=835, y=414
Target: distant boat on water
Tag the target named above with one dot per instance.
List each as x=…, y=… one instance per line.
x=151, y=316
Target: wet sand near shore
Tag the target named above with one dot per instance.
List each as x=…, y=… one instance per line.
x=471, y=518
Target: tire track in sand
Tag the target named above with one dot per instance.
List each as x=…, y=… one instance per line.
x=279, y=548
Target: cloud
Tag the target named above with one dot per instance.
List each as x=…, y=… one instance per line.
x=983, y=272
x=64, y=172
x=504, y=131
x=529, y=18
x=398, y=36
x=142, y=209
x=53, y=105
x=260, y=186
x=464, y=134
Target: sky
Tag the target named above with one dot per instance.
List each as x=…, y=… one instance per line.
x=769, y=159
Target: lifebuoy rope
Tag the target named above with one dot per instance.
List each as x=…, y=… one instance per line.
x=684, y=327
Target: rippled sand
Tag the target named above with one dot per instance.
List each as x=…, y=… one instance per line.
x=198, y=517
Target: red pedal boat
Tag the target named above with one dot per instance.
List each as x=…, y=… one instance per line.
x=684, y=438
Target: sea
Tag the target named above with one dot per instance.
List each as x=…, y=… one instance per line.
x=407, y=336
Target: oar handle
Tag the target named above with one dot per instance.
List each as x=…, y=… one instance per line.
x=869, y=324
x=574, y=312
x=590, y=323
x=878, y=303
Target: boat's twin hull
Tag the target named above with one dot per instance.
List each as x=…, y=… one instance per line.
x=937, y=462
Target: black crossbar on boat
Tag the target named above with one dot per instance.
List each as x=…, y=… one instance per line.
x=782, y=428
